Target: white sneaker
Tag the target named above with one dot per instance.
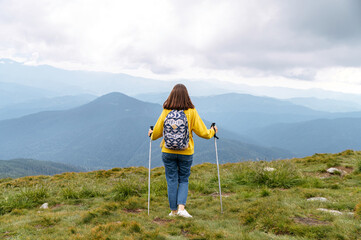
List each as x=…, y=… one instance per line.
x=184, y=213
x=171, y=214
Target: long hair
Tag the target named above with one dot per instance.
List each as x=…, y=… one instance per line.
x=178, y=99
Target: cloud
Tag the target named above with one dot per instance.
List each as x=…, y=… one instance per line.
x=172, y=39
x=288, y=34
x=337, y=21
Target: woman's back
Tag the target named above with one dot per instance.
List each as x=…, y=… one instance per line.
x=195, y=124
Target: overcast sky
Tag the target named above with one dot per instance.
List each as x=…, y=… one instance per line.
x=292, y=43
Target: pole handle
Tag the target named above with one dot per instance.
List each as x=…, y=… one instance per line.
x=151, y=128
x=213, y=125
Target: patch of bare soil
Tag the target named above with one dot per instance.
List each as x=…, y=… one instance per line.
x=162, y=221
x=345, y=169
x=309, y=221
x=324, y=175
x=138, y=210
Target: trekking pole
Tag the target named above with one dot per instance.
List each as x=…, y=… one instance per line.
x=219, y=178
x=150, y=158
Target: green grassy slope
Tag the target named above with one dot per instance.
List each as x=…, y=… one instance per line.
x=257, y=204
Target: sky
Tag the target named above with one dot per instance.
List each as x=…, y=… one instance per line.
x=289, y=43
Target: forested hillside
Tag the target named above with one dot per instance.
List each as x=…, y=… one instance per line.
x=29, y=167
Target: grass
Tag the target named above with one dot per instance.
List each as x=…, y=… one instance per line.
x=258, y=203
x=285, y=174
x=358, y=165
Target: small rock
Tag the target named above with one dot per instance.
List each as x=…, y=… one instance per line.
x=321, y=199
x=333, y=170
x=269, y=169
x=334, y=212
x=44, y=206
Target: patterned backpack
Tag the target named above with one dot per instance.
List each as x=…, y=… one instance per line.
x=175, y=130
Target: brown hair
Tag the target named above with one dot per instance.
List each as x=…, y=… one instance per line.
x=178, y=99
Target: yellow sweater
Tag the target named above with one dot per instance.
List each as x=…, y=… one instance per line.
x=195, y=124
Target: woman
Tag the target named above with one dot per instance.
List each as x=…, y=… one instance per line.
x=178, y=163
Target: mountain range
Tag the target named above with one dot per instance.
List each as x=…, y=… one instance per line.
x=54, y=114
x=109, y=132
x=241, y=113
x=61, y=82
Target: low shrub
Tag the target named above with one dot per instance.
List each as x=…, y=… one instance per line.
x=134, y=227
x=101, y=211
x=125, y=189
x=35, y=194
x=265, y=193
x=335, y=186
x=86, y=218
x=284, y=175
x=267, y=215
x=333, y=163
x=87, y=192
x=313, y=182
x=116, y=169
x=358, y=211
x=3, y=180
x=105, y=231
x=69, y=193
x=200, y=186
x=46, y=221
x=111, y=206
x=159, y=187
x=26, y=198
x=347, y=152
x=358, y=165
x=17, y=212
x=133, y=203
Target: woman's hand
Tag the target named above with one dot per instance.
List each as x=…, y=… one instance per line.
x=150, y=132
x=215, y=128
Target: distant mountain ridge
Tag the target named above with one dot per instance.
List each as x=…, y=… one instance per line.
x=29, y=167
x=13, y=93
x=327, y=105
x=44, y=104
x=233, y=102
x=316, y=136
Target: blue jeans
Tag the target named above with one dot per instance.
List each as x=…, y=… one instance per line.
x=177, y=172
